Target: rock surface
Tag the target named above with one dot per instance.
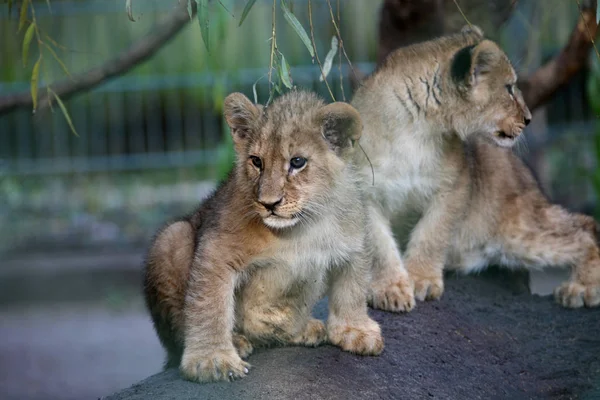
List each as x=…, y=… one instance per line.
x=485, y=339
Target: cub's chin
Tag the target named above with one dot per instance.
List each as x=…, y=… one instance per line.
x=503, y=139
x=277, y=222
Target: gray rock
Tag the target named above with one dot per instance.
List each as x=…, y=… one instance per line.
x=483, y=340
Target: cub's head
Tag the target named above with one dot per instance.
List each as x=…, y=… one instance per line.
x=290, y=153
x=489, y=101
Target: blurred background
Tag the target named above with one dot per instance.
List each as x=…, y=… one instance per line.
x=78, y=210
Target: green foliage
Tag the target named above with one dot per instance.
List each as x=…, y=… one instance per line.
x=129, y=10
x=293, y=21
x=284, y=72
x=215, y=30
x=247, y=9
x=27, y=42
x=203, y=20
x=35, y=75
x=329, y=58
x=23, y=14
x=64, y=111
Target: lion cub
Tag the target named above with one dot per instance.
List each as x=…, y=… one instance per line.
x=287, y=226
x=439, y=118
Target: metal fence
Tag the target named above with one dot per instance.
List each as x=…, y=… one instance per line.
x=137, y=124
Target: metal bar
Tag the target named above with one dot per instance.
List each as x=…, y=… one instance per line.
x=50, y=166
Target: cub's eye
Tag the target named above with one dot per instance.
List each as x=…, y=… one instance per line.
x=297, y=162
x=510, y=89
x=256, y=161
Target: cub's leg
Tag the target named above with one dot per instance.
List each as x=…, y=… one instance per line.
x=165, y=282
x=391, y=288
x=349, y=326
x=242, y=345
x=536, y=234
x=282, y=324
x=271, y=309
x=430, y=240
x=209, y=353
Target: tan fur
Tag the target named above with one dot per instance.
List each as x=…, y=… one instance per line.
x=439, y=117
x=248, y=266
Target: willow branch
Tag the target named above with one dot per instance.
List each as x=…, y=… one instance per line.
x=144, y=48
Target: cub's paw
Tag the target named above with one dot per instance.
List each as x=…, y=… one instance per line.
x=242, y=345
x=313, y=335
x=575, y=295
x=428, y=287
x=395, y=297
x=364, y=339
x=223, y=365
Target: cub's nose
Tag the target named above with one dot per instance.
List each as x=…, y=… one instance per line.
x=527, y=121
x=270, y=204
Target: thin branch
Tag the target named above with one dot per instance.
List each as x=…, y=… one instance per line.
x=546, y=80
x=138, y=52
x=339, y=22
x=273, y=47
x=312, y=37
x=587, y=28
x=462, y=13
x=339, y=35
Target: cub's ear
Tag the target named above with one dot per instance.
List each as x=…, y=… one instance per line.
x=472, y=63
x=340, y=124
x=242, y=116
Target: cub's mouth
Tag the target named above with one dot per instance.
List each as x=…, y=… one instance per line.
x=276, y=221
x=504, y=139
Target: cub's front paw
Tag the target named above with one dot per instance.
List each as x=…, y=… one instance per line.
x=242, y=345
x=364, y=339
x=575, y=295
x=396, y=297
x=223, y=365
x=313, y=335
x=428, y=287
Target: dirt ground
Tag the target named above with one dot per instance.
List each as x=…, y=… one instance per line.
x=486, y=339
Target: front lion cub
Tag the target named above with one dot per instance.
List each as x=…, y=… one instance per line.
x=286, y=226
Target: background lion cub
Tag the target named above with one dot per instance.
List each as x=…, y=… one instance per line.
x=439, y=117
x=286, y=225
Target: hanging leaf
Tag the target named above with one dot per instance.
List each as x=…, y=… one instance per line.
x=27, y=41
x=189, y=8
x=293, y=21
x=54, y=42
x=129, y=10
x=203, y=20
x=35, y=75
x=285, y=73
x=64, y=111
x=48, y=4
x=254, y=89
x=249, y=5
x=329, y=58
x=58, y=60
x=277, y=87
x=23, y=14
